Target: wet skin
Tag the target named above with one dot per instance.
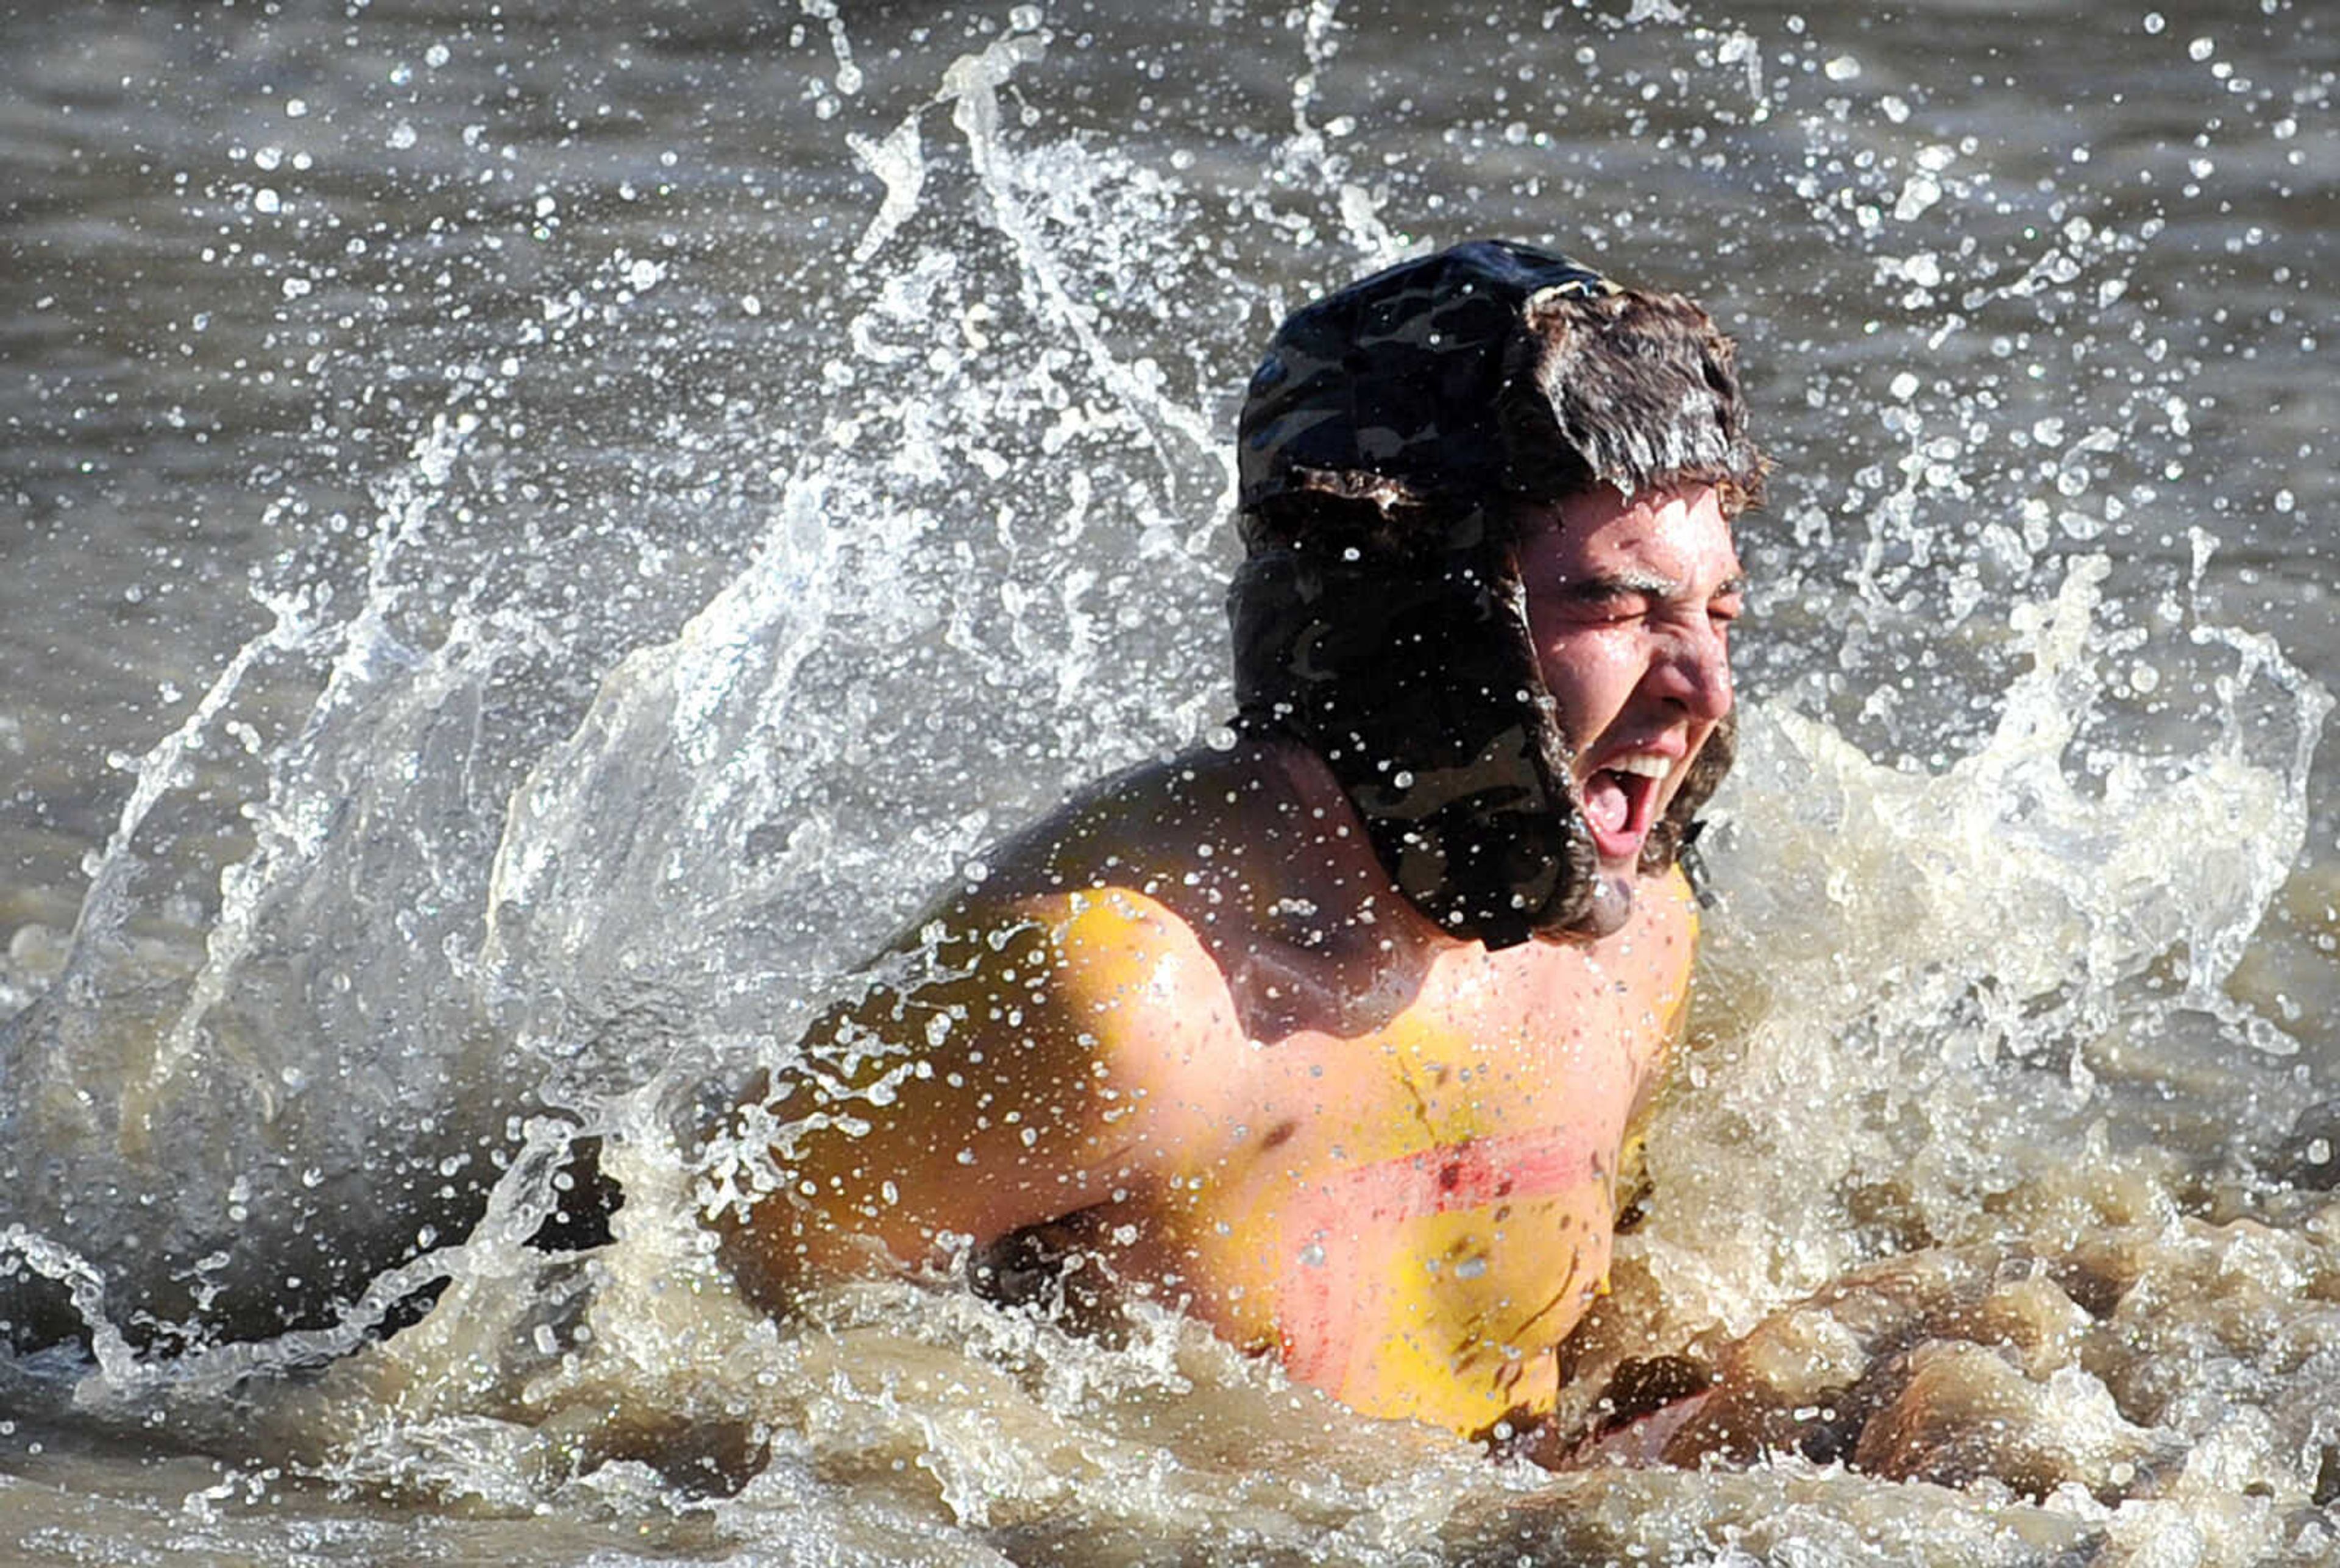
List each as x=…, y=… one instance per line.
x=1631, y=606
x=1191, y=1010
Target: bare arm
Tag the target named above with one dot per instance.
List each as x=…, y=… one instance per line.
x=1001, y=1082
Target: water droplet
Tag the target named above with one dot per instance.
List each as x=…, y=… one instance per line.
x=1843, y=68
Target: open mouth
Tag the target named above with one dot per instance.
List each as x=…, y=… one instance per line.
x=1620, y=803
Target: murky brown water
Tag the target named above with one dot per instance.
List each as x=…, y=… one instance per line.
x=534, y=534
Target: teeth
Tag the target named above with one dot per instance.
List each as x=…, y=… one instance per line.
x=1648, y=767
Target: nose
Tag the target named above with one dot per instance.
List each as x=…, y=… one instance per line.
x=1695, y=671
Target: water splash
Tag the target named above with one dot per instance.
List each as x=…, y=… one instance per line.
x=768, y=539
x=1900, y=953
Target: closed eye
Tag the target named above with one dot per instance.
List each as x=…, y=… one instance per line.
x=1625, y=596
x=1609, y=608
x=1615, y=601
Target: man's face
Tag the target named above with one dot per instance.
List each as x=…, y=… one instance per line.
x=1630, y=605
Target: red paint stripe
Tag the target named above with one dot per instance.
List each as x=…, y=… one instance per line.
x=1458, y=1178
x=1448, y=1179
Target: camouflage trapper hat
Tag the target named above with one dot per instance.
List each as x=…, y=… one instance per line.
x=1388, y=439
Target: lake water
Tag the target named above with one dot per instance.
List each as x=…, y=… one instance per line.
x=536, y=534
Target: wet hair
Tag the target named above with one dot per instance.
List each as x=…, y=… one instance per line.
x=1389, y=442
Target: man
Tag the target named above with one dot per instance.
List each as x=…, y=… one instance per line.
x=1335, y=1036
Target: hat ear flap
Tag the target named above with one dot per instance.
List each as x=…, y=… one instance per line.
x=1418, y=690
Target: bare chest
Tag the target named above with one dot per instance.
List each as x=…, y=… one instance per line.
x=1524, y=1059
x=1410, y=1202
x=1444, y=1181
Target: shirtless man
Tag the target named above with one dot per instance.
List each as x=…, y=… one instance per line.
x=1336, y=1036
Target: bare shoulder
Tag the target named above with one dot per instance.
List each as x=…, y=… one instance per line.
x=1000, y=1067
x=1153, y=828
